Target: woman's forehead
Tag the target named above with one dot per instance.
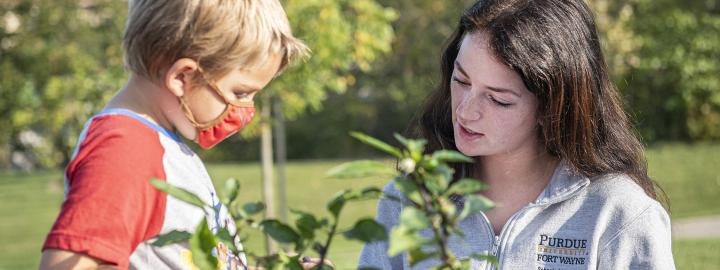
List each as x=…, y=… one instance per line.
x=479, y=62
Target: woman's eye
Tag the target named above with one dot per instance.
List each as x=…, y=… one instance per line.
x=457, y=80
x=503, y=104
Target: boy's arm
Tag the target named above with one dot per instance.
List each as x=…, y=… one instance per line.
x=110, y=206
x=57, y=259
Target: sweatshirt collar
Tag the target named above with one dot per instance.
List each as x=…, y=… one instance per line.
x=563, y=185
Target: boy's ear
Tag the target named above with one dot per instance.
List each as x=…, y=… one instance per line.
x=179, y=76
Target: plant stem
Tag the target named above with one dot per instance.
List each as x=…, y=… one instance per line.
x=441, y=237
x=327, y=243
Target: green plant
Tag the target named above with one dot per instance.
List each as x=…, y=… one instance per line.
x=426, y=181
x=304, y=235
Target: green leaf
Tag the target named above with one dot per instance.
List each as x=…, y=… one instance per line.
x=486, y=257
x=251, y=208
x=402, y=239
x=337, y=202
x=201, y=245
x=416, y=148
x=367, y=230
x=407, y=187
x=360, y=168
x=466, y=186
x=437, y=182
x=368, y=193
x=417, y=255
x=232, y=188
x=451, y=156
x=401, y=139
x=306, y=223
x=226, y=238
x=474, y=204
x=172, y=237
x=290, y=262
x=179, y=193
x=279, y=231
x=293, y=265
x=377, y=144
x=429, y=163
x=445, y=172
x=414, y=219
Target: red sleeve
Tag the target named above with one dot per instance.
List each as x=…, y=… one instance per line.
x=111, y=207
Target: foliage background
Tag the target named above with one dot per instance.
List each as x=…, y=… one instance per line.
x=365, y=73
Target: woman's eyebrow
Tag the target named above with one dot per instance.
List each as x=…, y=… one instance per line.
x=503, y=90
x=460, y=68
x=493, y=88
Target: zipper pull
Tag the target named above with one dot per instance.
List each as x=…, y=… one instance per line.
x=495, y=245
x=494, y=252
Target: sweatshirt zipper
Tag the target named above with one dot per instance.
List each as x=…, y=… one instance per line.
x=494, y=238
x=495, y=250
x=495, y=246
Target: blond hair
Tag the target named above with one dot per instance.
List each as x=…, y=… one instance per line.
x=221, y=35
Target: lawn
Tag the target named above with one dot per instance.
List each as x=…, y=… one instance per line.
x=689, y=175
x=29, y=202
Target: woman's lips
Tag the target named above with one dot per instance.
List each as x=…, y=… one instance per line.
x=469, y=134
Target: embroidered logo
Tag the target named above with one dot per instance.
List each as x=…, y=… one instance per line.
x=561, y=252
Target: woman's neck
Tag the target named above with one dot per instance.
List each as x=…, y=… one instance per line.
x=522, y=173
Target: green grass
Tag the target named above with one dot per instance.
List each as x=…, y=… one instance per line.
x=28, y=206
x=29, y=203
x=690, y=175
x=697, y=254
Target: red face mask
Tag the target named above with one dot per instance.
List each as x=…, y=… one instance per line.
x=236, y=116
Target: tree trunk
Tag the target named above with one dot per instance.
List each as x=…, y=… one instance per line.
x=266, y=153
x=280, y=158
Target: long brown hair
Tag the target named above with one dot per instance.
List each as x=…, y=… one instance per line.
x=554, y=46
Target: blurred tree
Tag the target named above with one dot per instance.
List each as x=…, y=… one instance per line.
x=384, y=100
x=665, y=57
x=59, y=61
x=55, y=72
x=673, y=84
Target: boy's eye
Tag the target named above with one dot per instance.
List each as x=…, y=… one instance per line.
x=242, y=95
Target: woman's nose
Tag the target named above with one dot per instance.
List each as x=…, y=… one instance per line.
x=469, y=108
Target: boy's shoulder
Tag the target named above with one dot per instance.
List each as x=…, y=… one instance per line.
x=113, y=142
x=122, y=126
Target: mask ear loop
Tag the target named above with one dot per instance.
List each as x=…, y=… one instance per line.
x=228, y=105
x=213, y=85
x=186, y=108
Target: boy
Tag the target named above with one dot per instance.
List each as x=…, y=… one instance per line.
x=195, y=67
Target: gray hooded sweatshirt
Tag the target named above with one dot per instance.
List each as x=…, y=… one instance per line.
x=607, y=222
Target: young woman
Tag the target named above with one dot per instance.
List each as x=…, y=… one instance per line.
x=526, y=92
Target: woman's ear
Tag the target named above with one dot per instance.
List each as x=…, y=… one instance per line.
x=180, y=75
